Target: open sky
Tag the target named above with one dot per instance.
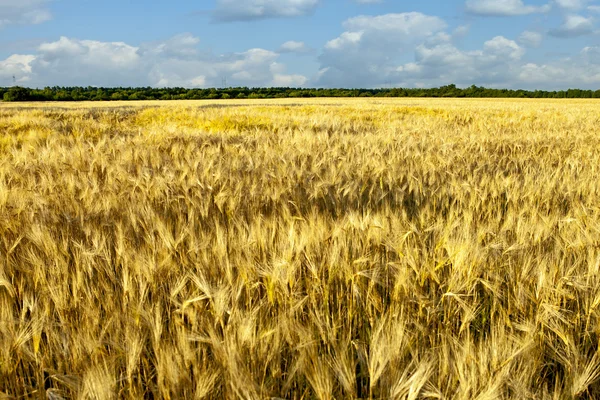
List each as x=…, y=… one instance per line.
x=545, y=44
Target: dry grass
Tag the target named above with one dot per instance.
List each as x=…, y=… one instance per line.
x=383, y=249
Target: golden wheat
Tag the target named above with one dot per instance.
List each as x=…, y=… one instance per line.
x=387, y=248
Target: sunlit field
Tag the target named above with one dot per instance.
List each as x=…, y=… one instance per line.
x=300, y=249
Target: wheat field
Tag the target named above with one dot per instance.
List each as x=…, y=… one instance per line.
x=300, y=249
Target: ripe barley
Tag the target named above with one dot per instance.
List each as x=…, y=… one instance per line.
x=327, y=249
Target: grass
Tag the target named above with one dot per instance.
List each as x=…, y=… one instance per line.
x=375, y=249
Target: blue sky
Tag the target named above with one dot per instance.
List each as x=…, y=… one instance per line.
x=546, y=44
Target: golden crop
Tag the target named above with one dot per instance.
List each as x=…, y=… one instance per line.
x=376, y=249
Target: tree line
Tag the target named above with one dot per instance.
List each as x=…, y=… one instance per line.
x=89, y=93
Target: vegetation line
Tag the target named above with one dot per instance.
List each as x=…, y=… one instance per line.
x=89, y=93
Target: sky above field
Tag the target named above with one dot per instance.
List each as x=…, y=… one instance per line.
x=545, y=44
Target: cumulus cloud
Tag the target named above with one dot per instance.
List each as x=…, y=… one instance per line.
x=582, y=70
x=373, y=53
x=281, y=79
x=369, y=47
x=112, y=55
x=461, y=31
x=248, y=10
x=346, y=39
x=173, y=62
x=591, y=55
x=18, y=66
x=530, y=39
x=504, y=48
x=182, y=46
x=253, y=67
x=572, y=26
x=86, y=62
x=444, y=63
x=571, y=4
x=23, y=12
x=504, y=8
x=405, y=24
x=381, y=51
x=294, y=47
x=538, y=74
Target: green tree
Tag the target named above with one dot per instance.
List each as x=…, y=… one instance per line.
x=17, y=93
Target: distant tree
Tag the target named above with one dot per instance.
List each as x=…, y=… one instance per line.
x=17, y=93
x=57, y=93
x=63, y=95
x=100, y=95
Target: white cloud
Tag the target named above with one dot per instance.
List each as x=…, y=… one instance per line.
x=373, y=53
x=70, y=62
x=498, y=64
x=571, y=4
x=437, y=38
x=572, y=26
x=591, y=55
x=247, y=10
x=345, y=39
x=581, y=71
x=352, y=60
x=179, y=46
x=282, y=80
x=404, y=24
x=173, y=62
x=294, y=47
x=112, y=55
x=198, y=81
x=530, y=39
x=461, y=31
x=496, y=52
x=446, y=63
x=504, y=48
x=17, y=66
x=595, y=9
x=23, y=12
x=368, y=49
x=443, y=54
x=254, y=67
x=503, y=7
x=537, y=74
